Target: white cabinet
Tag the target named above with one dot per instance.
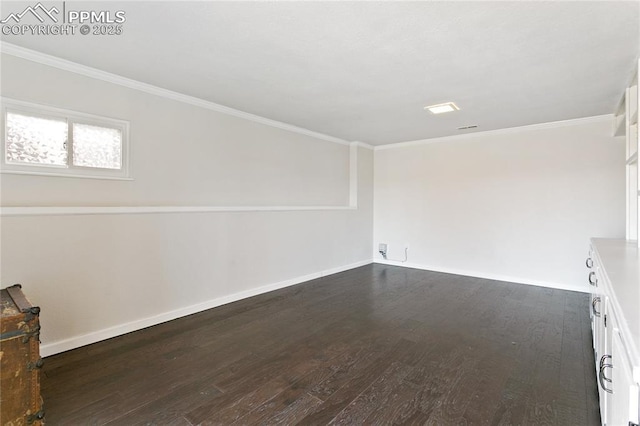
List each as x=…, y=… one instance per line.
x=623, y=399
x=614, y=274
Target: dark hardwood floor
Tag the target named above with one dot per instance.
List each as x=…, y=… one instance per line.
x=374, y=345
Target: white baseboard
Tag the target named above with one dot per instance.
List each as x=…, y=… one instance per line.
x=53, y=348
x=495, y=277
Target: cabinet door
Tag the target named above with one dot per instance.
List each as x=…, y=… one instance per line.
x=623, y=402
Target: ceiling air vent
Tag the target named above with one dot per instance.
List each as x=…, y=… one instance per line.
x=473, y=126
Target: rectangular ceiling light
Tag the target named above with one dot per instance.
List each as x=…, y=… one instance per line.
x=441, y=108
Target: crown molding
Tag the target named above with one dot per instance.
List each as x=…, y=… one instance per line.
x=74, y=67
x=508, y=130
x=362, y=145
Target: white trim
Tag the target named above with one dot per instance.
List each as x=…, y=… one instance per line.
x=65, y=175
x=83, y=210
x=495, y=277
x=48, y=349
x=505, y=131
x=63, y=64
x=363, y=145
x=353, y=175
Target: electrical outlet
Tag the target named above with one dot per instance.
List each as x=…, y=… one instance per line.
x=382, y=247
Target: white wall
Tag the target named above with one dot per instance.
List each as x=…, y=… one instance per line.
x=96, y=276
x=517, y=205
x=181, y=154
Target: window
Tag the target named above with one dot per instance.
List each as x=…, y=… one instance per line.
x=51, y=141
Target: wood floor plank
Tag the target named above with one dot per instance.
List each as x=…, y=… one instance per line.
x=288, y=407
x=353, y=367
x=374, y=345
x=170, y=408
x=272, y=378
x=484, y=389
x=367, y=401
x=355, y=385
x=399, y=406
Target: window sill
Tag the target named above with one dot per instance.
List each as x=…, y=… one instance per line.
x=64, y=175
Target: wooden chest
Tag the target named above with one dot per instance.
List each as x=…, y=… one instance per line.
x=20, y=362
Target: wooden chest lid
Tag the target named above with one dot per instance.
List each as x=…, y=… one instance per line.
x=8, y=307
x=13, y=302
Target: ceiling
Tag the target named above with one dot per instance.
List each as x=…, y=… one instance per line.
x=363, y=71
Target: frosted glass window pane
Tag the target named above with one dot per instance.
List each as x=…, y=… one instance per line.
x=95, y=146
x=36, y=140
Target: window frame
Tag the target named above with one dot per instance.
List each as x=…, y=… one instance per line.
x=71, y=117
